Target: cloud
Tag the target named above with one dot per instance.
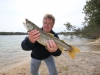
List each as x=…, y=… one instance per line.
x=14, y=12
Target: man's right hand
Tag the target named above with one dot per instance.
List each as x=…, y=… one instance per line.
x=33, y=35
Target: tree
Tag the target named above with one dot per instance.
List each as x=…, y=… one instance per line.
x=91, y=24
x=69, y=26
x=92, y=18
x=92, y=12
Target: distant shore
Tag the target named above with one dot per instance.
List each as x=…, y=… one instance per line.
x=13, y=33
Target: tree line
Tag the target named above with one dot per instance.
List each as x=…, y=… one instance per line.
x=13, y=33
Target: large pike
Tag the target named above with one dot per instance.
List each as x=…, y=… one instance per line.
x=45, y=36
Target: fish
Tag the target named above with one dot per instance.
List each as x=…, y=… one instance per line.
x=63, y=46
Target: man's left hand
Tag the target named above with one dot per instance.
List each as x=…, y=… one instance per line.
x=51, y=46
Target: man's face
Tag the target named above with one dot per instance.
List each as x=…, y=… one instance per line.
x=47, y=25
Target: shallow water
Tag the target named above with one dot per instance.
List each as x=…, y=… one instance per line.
x=85, y=45
x=75, y=40
x=10, y=49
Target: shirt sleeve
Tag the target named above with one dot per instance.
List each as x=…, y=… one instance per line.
x=27, y=45
x=57, y=53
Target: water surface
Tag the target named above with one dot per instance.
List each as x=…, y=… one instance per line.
x=10, y=49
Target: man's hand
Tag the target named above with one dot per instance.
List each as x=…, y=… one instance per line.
x=33, y=35
x=51, y=46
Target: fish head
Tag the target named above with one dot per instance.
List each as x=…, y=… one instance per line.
x=28, y=25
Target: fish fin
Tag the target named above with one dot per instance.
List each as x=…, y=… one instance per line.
x=63, y=41
x=51, y=34
x=61, y=49
x=73, y=52
x=24, y=23
x=25, y=26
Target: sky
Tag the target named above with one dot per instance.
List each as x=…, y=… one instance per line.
x=14, y=12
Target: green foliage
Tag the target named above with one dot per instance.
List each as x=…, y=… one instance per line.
x=92, y=18
x=92, y=12
x=69, y=27
x=91, y=24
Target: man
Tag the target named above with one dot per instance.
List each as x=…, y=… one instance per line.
x=40, y=52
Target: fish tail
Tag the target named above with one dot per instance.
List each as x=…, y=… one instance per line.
x=73, y=52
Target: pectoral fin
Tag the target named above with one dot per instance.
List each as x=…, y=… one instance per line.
x=63, y=41
x=73, y=52
x=61, y=49
x=51, y=34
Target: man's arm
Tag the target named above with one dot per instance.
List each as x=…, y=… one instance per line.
x=30, y=41
x=57, y=53
x=27, y=45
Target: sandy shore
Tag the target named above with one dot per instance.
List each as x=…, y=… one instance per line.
x=85, y=63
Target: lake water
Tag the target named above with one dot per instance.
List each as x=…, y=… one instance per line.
x=11, y=51
x=85, y=45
